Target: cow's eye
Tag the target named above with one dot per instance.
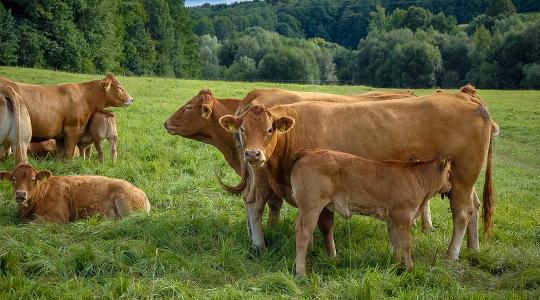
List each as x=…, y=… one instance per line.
x=188, y=107
x=12, y=179
x=242, y=130
x=34, y=179
x=269, y=131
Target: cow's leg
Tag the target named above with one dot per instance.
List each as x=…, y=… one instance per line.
x=87, y=151
x=427, y=225
x=462, y=210
x=99, y=149
x=326, y=225
x=71, y=137
x=391, y=226
x=305, y=224
x=472, y=229
x=255, y=209
x=274, y=208
x=112, y=141
x=4, y=151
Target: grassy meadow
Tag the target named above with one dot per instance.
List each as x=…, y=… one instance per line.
x=194, y=243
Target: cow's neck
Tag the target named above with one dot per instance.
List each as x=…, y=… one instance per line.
x=278, y=168
x=94, y=96
x=221, y=139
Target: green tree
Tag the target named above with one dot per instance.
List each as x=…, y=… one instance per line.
x=501, y=8
x=8, y=38
x=289, y=64
x=415, y=64
x=243, y=68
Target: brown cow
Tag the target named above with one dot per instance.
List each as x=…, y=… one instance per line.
x=452, y=125
x=198, y=119
x=42, y=197
x=15, y=127
x=102, y=125
x=61, y=112
x=393, y=192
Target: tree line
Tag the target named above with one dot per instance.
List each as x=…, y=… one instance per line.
x=424, y=43
x=412, y=47
x=140, y=37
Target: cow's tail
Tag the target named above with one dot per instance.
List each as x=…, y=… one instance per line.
x=20, y=153
x=487, y=205
x=240, y=187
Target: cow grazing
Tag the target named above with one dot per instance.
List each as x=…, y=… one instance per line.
x=102, y=125
x=454, y=125
x=61, y=112
x=393, y=192
x=15, y=127
x=42, y=197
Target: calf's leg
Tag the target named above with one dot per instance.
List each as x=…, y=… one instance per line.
x=99, y=149
x=112, y=142
x=274, y=208
x=427, y=225
x=472, y=228
x=326, y=224
x=305, y=224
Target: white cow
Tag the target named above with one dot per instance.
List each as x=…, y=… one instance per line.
x=15, y=126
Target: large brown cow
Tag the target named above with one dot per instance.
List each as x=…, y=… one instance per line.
x=455, y=125
x=393, y=192
x=61, y=112
x=42, y=197
x=15, y=127
x=102, y=125
x=198, y=119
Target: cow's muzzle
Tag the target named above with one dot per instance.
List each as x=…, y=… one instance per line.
x=170, y=128
x=129, y=102
x=255, y=157
x=21, y=196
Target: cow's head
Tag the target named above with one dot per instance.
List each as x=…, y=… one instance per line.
x=258, y=128
x=24, y=180
x=114, y=92
x=192, y=118
x=445, y=184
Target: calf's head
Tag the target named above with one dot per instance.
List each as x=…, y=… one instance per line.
x=192, y=120
x=258, y=128
x=24, y=180
x=445, y=184
x=115, y=93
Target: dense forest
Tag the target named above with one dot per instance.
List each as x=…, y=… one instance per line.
x=140, y=37
x=424, y=43
x=491, y=43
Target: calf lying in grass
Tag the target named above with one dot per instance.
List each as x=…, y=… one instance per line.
x=393, y=192
x=42, y=197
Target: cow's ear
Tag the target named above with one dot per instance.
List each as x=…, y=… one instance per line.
x=206, y=111
x=230, y=123
x=43, y=175
x=105, y=84
x=5, y=176
x=284, y=124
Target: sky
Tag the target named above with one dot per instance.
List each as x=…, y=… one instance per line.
x=201, y=2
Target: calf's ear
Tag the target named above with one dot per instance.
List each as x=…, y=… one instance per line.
x=284, y=124
x=5, y=176
x=230, y=123
x=43, y=175
x=105, y=84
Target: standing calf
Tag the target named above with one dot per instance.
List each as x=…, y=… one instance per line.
x=102, y=125
x=42, y=197
x=393, y=192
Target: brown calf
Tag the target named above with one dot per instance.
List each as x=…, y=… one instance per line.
x=393, y=192
x=101, y=126
x=42, y=197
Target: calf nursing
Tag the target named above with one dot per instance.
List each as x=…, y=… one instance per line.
x=393, y=192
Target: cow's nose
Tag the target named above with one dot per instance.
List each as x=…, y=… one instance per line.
x=132, y=99
x=20, y=195
x=253, y=154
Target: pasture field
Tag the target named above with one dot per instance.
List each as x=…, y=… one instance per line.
x=194, y=242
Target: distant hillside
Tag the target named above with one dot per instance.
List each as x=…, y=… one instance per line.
x=342, y=22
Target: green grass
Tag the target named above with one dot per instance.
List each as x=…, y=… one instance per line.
x=194, y=243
